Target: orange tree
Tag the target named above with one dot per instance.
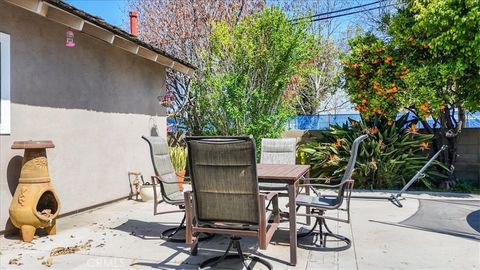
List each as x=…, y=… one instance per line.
x=434, y=47
x=440, y=40
x=374, y=78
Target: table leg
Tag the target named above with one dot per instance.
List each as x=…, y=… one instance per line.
x=307, y=192
x=292, y=216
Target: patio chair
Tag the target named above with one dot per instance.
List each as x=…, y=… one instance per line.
x=319, y=203
x=225, y=197
x=166, y=177
x=277, y=151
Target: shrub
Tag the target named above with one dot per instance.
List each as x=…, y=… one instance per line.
x=245, y=86
x=387, y=159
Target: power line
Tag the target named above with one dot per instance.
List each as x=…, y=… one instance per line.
x=336, y=11
x=350, y=13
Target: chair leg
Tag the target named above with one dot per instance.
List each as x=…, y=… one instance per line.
x=309, y=232
x=321, y=237
x=347, y=241
x=169, y=234
x=235, y=243
x=282, y=213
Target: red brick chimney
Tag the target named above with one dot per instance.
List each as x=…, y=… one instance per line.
x=133, y=23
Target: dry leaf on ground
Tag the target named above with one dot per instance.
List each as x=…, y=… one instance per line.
x=48, y=262
x=69, y=250
x=15, y=261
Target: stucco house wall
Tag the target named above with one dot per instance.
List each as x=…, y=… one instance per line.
x=94, y=101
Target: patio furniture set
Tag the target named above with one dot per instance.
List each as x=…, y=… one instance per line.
x=232, y=194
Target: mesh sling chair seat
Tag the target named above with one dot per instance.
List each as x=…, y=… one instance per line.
x=166, y=177
x=277, y=151
x=225, y=198
x=319, y=203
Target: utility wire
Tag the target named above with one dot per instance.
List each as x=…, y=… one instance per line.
x=336, y=11
x=346, y=14
x=350, y=13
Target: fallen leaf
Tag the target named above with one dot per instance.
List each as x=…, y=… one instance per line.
x=64, y=250
x=48, y=262
x=15, y=261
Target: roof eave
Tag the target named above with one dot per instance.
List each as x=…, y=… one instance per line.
x=79, y=20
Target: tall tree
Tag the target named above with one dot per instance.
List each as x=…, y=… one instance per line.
x=182, y=28
x=430, y=65
x=314, y=88
x=323, y=81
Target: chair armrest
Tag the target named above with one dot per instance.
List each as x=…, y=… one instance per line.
x=327, y=186
x=269, y=195
x=324, y=179
x=321, y=185
x=163, y=181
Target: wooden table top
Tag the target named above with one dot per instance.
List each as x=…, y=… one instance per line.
x=281, y=172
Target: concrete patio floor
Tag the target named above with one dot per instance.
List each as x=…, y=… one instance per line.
x=124, y=235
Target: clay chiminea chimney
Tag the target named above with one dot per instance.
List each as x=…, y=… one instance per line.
x=133, y=23
x=35, y=203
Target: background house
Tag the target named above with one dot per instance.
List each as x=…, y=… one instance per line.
x=94, y=101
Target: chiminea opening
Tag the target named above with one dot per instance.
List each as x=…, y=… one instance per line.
x=47, y=205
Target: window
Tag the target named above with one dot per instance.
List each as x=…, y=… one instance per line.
x=4, y=83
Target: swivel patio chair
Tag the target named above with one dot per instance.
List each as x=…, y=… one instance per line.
x=166, y=177
x=225, y=197
x=319, y=203
x=277, y=151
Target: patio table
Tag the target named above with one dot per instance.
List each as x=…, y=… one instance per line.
x=291, y=175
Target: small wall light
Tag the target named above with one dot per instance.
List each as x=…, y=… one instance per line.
x=69, y=43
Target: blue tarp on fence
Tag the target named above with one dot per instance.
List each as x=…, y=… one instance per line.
x=323, y=121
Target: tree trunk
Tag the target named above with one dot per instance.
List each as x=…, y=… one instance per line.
x=447, y=134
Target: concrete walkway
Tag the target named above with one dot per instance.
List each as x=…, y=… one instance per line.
x=124, y=235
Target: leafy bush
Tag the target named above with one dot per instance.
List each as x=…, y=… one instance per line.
x=387, y=159
x=374, y=77
x=245, y=86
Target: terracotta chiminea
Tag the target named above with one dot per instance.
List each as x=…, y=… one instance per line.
x=35, y=203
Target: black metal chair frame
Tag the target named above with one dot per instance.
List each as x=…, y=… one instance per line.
x=317, y=211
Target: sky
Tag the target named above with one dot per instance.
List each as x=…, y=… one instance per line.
x=115, y=12
x=112, y=11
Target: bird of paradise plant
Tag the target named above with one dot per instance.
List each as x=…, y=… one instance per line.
x=392, y=155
